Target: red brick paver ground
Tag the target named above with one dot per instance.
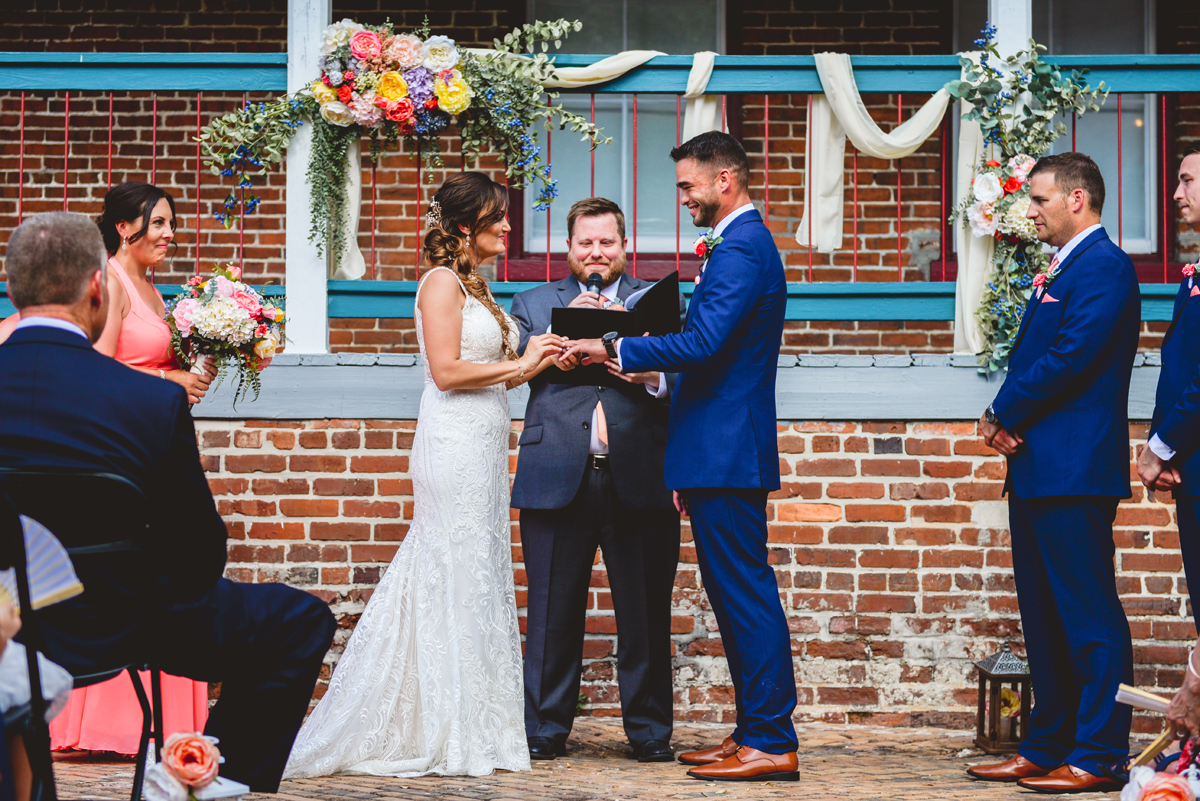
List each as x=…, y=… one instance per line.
x=837, y=762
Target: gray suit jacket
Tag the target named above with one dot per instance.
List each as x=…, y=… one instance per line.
x=554, y=444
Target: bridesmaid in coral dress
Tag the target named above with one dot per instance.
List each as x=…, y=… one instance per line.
x=138, y=224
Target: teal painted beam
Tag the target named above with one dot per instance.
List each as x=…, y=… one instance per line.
x=660, y=75
x=865, y=301
x=194, y=72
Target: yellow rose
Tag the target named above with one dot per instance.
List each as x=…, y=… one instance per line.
x=392, y=86
x=454, y=96
x=324, y=94
x=265, y=347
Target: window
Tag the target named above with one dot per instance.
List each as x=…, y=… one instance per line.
x=677, y=27
x=1085, y=27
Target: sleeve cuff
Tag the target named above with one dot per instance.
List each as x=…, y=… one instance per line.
x=620, y=366
x=660, y=389
x=1161, y=449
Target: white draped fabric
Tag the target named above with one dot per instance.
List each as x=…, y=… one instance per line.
x=974, y=252
x=839, y=113
x=353, y=264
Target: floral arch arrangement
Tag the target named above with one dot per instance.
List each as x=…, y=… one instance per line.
x=386, y=85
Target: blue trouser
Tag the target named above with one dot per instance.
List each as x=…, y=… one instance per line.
x=1076, y=634
x=730, y=531
x=1188, y=512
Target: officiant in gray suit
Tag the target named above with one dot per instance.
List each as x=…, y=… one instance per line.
x=590, y=474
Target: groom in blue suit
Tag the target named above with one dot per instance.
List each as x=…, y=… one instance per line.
x=1061, y=419
x=722, y=456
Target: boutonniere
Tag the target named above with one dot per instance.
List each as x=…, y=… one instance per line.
x=1189, y=270
x=1044, y=280
x=705, y=244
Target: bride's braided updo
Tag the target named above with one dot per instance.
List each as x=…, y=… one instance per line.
x=473, y=200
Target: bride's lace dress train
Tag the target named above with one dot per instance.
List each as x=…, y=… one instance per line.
x=430, y=681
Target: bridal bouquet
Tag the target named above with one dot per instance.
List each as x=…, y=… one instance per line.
x=229, y=322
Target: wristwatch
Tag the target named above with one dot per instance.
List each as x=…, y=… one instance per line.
x=990, y=415
x=610, y=344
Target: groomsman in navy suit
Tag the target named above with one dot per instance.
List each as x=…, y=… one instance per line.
x=722, y=455
x=1061, y=418
x=1171, y=460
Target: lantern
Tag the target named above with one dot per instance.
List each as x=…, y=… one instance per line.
x=1004, y=702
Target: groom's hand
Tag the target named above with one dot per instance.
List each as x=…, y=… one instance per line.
x=584, y=351
x=680, y=503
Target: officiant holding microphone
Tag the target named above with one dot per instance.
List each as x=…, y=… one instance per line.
x=590, y=474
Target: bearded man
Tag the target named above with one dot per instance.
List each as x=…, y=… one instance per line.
x=590, y=474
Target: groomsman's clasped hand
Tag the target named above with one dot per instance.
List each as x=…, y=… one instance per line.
x=998, y=437
x=1156, y=474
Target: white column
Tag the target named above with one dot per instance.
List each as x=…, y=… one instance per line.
x=1014, y=24
x=307, y=272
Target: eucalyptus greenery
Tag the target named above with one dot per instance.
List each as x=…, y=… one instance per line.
x=508, y=103
x=1019, y=103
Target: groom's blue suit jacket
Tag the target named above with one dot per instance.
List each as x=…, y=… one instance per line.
x=722, y=428
x=1177, y=402
x=1067, y=389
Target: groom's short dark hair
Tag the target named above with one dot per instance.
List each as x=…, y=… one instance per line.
x=718, y=150
x=1071, y=171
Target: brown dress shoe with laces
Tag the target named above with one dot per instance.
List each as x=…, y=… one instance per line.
x=1011, y=770
x=749, y=765
x=1070, y=779
x=708, y=756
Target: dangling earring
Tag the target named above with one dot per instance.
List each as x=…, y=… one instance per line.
x=124, y=243
x=468, y=239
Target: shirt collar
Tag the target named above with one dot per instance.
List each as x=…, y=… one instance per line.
x=51, y=322
x=609, y=291
x=1066, y=249
x=733, y=215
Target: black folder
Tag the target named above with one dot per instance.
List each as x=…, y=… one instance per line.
x=655, y=311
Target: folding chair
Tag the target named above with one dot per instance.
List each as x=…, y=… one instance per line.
x=102, y=520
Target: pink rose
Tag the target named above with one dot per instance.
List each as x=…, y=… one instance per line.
x=270, y=313
x=400, y=110
x=225, y=287
x=1189, y=270
x=236, y=272
x=365, y=45
x=183, y=313
x=192, y=758
x=195, y=280
x=405, y=51
x=262, y=330
x=1167, y=787
x=246, y=300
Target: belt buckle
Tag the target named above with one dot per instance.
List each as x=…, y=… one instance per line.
x=599, y=461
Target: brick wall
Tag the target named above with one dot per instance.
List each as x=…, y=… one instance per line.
x=889, y=542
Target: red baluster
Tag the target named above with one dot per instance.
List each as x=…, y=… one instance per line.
x=724, y=126
x=110, y=119
x=549, y=145
x=505, y=177
x=899, y=190
x=198, y=99
x=66, y=146
x=1166, y=244
x=810, y=170
x=154, y=139
x=373, y=184
x=242, y=217
x=21, y=164
x=1120, y=178
x=942, y=199
x=767, y=159
x=1074, y=119
x=635, y=184
x=418, y=242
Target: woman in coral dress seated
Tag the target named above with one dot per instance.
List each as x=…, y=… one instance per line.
x=138, y=225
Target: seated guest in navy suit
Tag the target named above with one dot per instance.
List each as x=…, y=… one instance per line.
x=65, y=405
x=1061, y=418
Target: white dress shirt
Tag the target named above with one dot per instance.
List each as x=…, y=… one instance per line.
x=51, y=322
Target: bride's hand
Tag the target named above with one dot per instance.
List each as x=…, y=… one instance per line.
x=541, y=346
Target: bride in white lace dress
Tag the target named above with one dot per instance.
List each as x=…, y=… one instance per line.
x=430, y=681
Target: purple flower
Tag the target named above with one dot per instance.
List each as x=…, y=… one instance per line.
x=420, y=84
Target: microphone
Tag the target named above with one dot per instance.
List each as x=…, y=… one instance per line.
x=595, y=283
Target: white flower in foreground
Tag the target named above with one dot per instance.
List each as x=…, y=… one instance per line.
x=162, y=786
x=982, y=217
x=987, y=187
x=1016, y=223
x=337, y=113
x=338, y=34
x=223, y=319
x=440, y=53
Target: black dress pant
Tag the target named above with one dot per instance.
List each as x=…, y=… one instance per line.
x=641, y=552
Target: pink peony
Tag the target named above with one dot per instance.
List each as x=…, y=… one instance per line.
x=183, y=313
x=192, y=758
x=405, y=51
x=365, y=45
x=225, y=287
x=247, y=300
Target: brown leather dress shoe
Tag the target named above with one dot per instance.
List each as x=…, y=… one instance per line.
x=1011, y=770
x=1070, y=779
x=708, y=756
x=749, y=765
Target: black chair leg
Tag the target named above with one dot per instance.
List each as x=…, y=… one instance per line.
x=139, y=771
x=156, y=697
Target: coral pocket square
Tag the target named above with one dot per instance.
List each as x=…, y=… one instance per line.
x=1048, y=298
x=1195, y=291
